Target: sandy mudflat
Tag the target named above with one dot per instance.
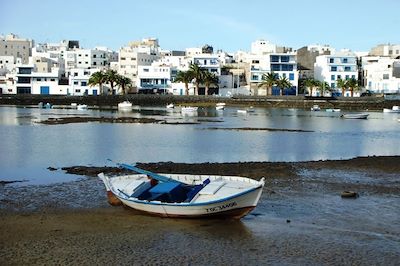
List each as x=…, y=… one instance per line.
x=300, y=220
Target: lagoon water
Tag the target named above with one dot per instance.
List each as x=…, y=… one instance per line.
x=28, y=148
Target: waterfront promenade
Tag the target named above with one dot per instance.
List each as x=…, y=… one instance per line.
x=362, y=103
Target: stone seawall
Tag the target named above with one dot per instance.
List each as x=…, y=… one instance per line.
x=364, y=103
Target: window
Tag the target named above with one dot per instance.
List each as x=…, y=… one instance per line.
x=353, y=76
x=275, y=67
x=334, y=68
x=331, y=60
x=145, y=70
x=83, y=83
x=385, y=76
x=332, y=77
x=38, y=79
x=255, y=61
x=254, y=77
x=347, y=68
x=344, y=60
x=274, y=58
x=123, y=58
x=77, y=90
x=52, y=79
x=339, y=76
x=94, y=63
x=347, y=76
x=76, y=83
x=291, y=76
x=75, y=74
x=284, y=58
x=333, y=85
x=94, y=56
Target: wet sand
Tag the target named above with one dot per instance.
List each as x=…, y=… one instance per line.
x=301, y=219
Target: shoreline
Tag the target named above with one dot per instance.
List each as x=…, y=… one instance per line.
x=344, y=103
x=300, y=219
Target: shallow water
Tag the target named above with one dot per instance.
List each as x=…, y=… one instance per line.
x=28, y=148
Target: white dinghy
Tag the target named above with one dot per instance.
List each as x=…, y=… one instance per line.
x=182, y=195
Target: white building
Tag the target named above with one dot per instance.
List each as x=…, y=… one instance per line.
x=282, y=64
x=391, y=50
x=78, y=83
x=381, y=74
x=340, y=65
x=30, y=82
x=154, y=78
x=261, y=47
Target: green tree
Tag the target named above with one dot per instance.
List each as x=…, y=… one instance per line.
x=310, y=84
x=112, y=78
x=352, y=84
x=323, y=86
x=268, y=81
x=97, y=78
x=341, y=83
x=209, y=79
x=197, y=74
x=282, y=84
x=184, y=77
x=124, y=83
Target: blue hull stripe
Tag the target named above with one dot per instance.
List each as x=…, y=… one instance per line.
x=189, y=204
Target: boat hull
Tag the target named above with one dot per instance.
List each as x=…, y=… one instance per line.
x=238, y=196
x=234, y=207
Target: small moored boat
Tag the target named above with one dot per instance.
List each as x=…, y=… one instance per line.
x=170, y=106
x=332, y=110
x=81, y=107
x=125, y=105
x=220, y=106
x=315, y=107
x=395, y=109
x=355, y=116
x=189, y=109
x=182, y=195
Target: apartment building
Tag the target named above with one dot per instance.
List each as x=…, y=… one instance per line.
x=340, y=65
x=282, y=64
x=381, y=74
x=137, y=53
x=306, y=57
x=12, y=45
x=390, y=50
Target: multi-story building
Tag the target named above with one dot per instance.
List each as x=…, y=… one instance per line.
x=12, y=45
x=78, y=83
x=30, y=82
x=155, y=78
x=306, y=57
x=381, y=74
x=340, y=65
x=391, y=50
x=139, y=53
x=282, y=64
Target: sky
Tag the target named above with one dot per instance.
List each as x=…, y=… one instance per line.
x=229, y=25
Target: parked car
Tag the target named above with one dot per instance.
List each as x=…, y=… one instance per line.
x=366, y=93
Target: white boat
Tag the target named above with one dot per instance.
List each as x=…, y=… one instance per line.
x=81, y=107
x=333, y=110
x=189, y=109
x=355, y=116
x=395, y=109
x=315, y=107
x=182, y=195
x=242, y=111
x=220, y=106
x=170, y=106
x=125, y=105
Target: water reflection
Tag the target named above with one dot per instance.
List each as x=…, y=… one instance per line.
x=28, y=148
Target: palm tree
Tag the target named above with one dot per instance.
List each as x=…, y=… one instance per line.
x=310, y=83
x=352, y=84
x=185, y=77
x=123, y=82
x=268, y=80
x=111, y=77
x=341, y=83
x=97, y=78
x=323, y=86
x=209, y=79
x=197, y=74
x=283, y=83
